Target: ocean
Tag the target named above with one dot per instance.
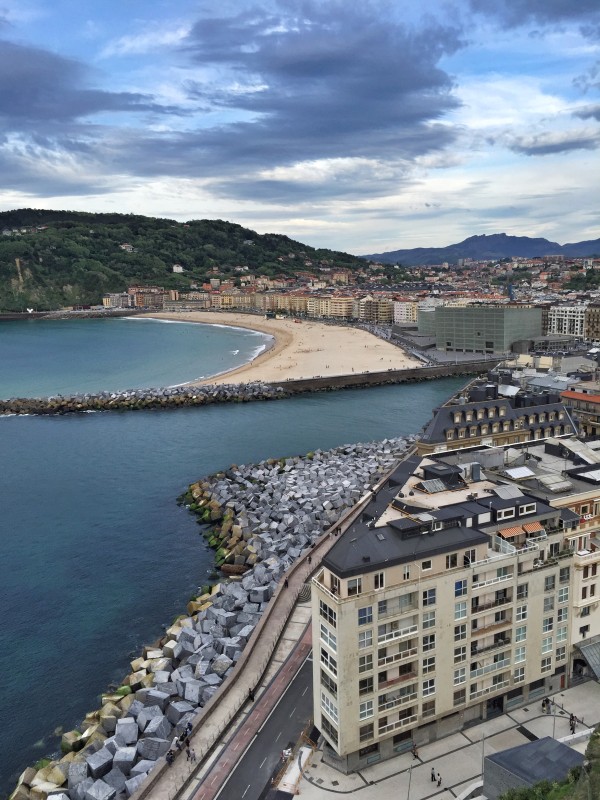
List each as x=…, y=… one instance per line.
x=96, y=557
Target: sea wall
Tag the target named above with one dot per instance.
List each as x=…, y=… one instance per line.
x=263, y=517
x=183, y=396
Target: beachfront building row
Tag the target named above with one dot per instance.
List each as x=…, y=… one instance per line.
x=469, y=585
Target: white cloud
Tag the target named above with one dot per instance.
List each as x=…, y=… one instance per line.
x=147, y=40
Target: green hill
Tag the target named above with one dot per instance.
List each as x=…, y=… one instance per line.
x=50, y=259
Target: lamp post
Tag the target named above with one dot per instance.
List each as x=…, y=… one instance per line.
x=409, y=781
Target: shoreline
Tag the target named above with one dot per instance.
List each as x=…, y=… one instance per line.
x=302, y=351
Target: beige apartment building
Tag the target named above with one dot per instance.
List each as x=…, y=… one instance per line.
x=468, y=586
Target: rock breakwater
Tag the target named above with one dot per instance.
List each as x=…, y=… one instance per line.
x=263, y=517
x=138, y=399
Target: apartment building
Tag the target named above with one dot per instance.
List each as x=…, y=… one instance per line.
x=566, y=320
x=468, y=586
x=584, y=397
x=406, y=312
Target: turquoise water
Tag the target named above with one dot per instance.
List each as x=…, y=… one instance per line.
x=95, y=555
x=47, y=357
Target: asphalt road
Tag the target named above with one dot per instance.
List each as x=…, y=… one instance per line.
x=255, y=769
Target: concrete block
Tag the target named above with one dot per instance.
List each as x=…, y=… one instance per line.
x=79, y=792
x=143, y=767
x=133, y=784
x=159, y=728
x=116, y=779
x=100, y=791
x=100, y=763
x=146, y=714
x=127, y=730
x=78, y=772
x=124, y=759
x=176, y=710
x=152, y=748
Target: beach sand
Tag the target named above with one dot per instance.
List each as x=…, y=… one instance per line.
x=304, y=350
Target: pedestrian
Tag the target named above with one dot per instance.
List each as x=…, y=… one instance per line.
x=433, y=774
x=439, y=780
x=170, y=758
x=286, y=583
x=188, y=728
x=192, y=755
x=310, y=559
x=188, y=754
x=251, y=694
x=414, y=751
x=178, y=744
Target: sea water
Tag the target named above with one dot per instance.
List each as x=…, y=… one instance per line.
x=95, y=555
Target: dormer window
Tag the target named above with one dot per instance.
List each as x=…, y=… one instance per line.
x=542, y=417
x=551, y=416
x=449, y=435
x=484, y=430
x=495, y=427
x=505, y=513
x=457, y=416
x=468, y=416
x=473, y=430
x=532, y=419
x=506, y=426
x=461, y=433
x=480, y=413
x=491, y=413
x=529, y=508
x=501, y=411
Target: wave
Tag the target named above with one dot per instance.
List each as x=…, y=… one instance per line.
x=234, y=352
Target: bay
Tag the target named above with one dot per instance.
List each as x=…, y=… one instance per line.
x=95, y=555
x=43, y=357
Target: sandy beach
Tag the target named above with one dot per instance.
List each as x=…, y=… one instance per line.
x=301, y=350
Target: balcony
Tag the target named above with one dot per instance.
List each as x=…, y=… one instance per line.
x=494, y=667
x=491, y=626
x=398, y=724
x=586, y=557
x=396, y=657
x=399, y=633
x=488, y=648
x=478, y=609
x=397, y=701
x=493, y=581
x=489, y=689
x=406, y=676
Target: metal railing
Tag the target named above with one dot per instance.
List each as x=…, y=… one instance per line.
x=399, y=723
x=401, y=633
x=489, y=689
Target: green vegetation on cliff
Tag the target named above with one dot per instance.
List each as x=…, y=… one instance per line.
x=50, y=259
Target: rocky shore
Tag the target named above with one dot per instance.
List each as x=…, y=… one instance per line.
x=262, y=517
x=137, y=399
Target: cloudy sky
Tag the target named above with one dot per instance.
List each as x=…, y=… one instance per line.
x=363, y=126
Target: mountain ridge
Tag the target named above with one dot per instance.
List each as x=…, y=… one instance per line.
x=487, y=247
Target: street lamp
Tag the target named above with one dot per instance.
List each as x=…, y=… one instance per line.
x=409, y=781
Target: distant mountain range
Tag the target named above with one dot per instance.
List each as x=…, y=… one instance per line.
x=487, y=248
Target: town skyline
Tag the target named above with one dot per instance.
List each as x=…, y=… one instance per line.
x=360, y=127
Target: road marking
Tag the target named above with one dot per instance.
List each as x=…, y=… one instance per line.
x=278, y=735
x=304, y=692
x=245, y=790
x=293, y=711
x=262, y=762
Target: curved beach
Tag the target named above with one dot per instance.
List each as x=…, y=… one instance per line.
x=304, y=350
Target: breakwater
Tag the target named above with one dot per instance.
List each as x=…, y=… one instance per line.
x=278, y=508
x=208, y=394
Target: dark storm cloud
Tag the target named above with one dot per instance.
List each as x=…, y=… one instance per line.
x=38, y=87
x=324, y=81
x=546, y=144
x=514, y=13
x=590, y=112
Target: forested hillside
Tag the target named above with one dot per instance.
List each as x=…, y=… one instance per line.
x=55, y=258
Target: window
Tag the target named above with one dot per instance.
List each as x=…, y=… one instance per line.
x=328, y=613
x=502, y=572
x=365, y=639
x=522, y=591
x=425, y=565
x=354, y=586
x=549, y=582
x=469, y=558
x=584, y=630
x=329, y=662
x=460, y=676
x=329, y=730
x=564, y=575
x=460, y=610
x=366, y=732
x=328, y=638
x=428, y=709
x=460, y=632
x=329, y=707
x=428, y=664
x=561, y=653
x=451, y=561
x=519, y=674
x=521, y=633
x=328, y=683
x=546, y=664
x=563, y=595
x=428, y=687
x=406, y=572
x=505, y=513
x=429, y=642
x=529, y=508
x=592, y=590
x=562, y=614
x=584, y=593
x=548, y=604
x=335, y=588
x=547, y=644
x=382, y=607
x=520, y=654
x=460, y=588
x=365, y=615
x=365, y=663
x=428, y=619
x=561, y=634
x=429, y=597
x=585, y=612
x=547, y=624
x=521, y=613
x=379, y=580
x=460, y=654
x=365, y=710
x=365, y=686
x=460, y=697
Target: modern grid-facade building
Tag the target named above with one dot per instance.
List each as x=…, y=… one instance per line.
x=484, y=328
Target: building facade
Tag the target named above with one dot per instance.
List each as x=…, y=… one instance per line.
x=567, y=320
x=485, y=328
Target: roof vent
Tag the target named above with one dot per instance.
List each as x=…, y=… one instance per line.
x=366, y=559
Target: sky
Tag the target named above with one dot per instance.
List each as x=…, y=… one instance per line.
x=360, y=126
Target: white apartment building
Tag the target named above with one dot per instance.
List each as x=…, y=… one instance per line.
x=567, y=320
x=462, y=590
x=405, y=312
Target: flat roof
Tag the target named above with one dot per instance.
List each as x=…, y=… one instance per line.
x=544, y=759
